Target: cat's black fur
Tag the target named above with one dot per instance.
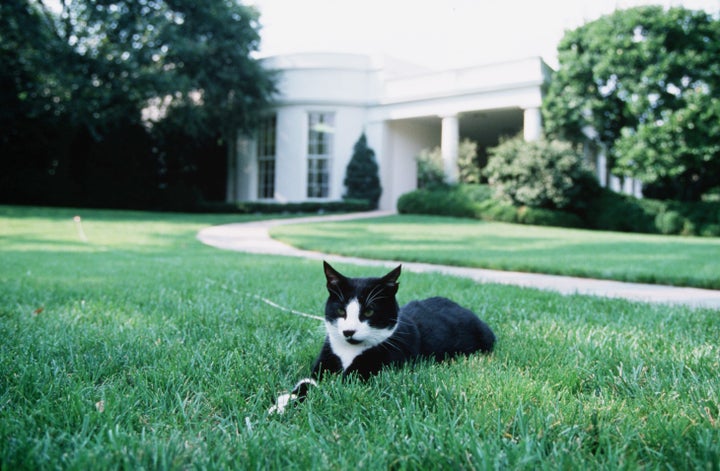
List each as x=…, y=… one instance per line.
x=367, y=330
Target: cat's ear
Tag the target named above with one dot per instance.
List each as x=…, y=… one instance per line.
x=334, y=278
x=391, y=279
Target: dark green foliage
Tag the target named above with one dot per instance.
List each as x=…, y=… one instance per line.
x=606, y=211
x=74, y=86
x=456, y=200
x=616, y=212
x=539, y=174
x=493, y=210
x=646, y=81
x=547, y=217
x=361, y=176
x=475, y=201
x=254, y=207
x=670, y=222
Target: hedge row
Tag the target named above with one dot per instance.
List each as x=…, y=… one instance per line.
x=456, y=201
x=606, y=211
x=255, y=207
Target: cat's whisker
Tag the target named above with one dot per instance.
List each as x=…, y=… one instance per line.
x=372, y=296
x=389, y=345
x=376, y=295
x=334, y=290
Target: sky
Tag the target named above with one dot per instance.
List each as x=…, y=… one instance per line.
x=437, y=34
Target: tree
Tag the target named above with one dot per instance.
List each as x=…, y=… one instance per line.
x=646, y=83
x=97, y=70
x=361, y=176
x=32, y=131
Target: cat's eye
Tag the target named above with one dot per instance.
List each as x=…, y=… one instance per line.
x=368, y=313
x=341, y=312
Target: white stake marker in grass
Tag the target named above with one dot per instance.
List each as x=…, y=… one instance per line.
x=79, y=227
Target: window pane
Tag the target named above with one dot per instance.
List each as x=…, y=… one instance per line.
x=320, y=143
x=266, y=157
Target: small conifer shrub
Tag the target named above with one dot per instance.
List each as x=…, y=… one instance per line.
x=361, y=176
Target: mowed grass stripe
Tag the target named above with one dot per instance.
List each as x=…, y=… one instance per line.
x=674, y=260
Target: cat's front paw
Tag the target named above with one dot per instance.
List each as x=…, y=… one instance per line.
x=297, y=395
x=281, y=404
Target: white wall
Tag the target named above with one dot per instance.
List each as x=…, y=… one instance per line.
x=349, y=125
x=246, y=171
x=399, y=116
x=329, y=79
x=290, y=154
x=403, y=141
x=343, y=84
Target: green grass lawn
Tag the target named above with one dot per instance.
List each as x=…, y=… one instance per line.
x=683, y=261
x=142, y=348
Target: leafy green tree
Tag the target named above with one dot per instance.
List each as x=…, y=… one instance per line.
x=646, y=81
x=187, y=57
x=361, y=176
x=94, y=73
x=27, y=39
x=31, y=128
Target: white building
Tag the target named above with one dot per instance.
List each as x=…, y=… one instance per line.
x=327, y=101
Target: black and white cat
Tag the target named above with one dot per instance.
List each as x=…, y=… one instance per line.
x=366, y=330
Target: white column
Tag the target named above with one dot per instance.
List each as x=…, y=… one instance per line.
x=449, y=144
x=247, y=170
x=532, y=124
x=602, y=172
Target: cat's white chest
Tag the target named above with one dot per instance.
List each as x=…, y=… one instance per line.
x=345, y=351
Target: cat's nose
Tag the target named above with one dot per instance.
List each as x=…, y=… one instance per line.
x=348, y=333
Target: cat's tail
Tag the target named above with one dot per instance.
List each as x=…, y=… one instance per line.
x=296, y=396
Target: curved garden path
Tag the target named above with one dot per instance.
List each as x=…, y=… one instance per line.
x=254, y=237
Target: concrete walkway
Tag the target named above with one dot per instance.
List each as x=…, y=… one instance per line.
x=253, y=237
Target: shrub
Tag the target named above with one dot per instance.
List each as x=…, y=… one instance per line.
x=670, y=222
x=548, y=217
x=540, y=174
x=475, y=201
x=612, y=211
x=253, y=207
x=493, y=210
x=607, y=211
x=431, y=169
x=710, y=230
x=361, y=176
x=430, y=172
x=469, y=171
x=457, y=201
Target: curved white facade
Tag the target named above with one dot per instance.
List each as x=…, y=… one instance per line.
x=326, y=101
